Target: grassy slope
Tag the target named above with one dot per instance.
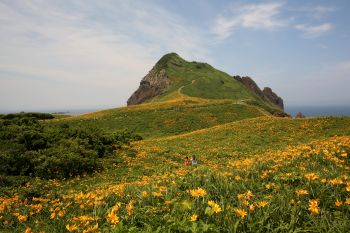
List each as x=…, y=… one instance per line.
x=167, y=118
x=269, y=156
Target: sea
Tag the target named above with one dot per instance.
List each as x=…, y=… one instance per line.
x=314, y=111
x=308, y=111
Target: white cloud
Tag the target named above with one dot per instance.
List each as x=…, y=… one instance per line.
x=264, y=16
x=311, y=31
x=272, y=16
x=92, y=44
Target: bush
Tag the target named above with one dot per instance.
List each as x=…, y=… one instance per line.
x=36, y=115
x=31, y=148
x=62, y=162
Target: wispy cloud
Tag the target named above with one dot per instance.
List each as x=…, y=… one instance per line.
x=312, y=31
x=272, y=16
x=263, y=16
x=90, y=43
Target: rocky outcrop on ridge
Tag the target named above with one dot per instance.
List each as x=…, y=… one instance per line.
x=270, y=95
x=251, y=85
x=153, y=84
x=266, y=94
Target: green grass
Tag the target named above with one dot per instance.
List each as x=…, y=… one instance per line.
x=167, y=118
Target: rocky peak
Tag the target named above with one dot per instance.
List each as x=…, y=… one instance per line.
x=153, y=84
x=156, y=81
x=270, y=95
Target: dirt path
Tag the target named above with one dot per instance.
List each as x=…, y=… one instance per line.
x=180, y=89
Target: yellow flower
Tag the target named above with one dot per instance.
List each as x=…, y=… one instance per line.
x=313, y=206
x=130, y=207
x=211, y=203
x=53, y=215
x=245, y=203
x=93, y=228
x=300, y=192
x=199, y=192
x=311, y=176
x=241, y=196
x=116, y=207
x=22, y=218
x=194, y=217
x=28, y=230
x=245, y=197
x=338, y=203
x=347, y=188
x=71, y=228
x=144, y=194
x=157, y=194
x=262, y=204
x=84, y=218
x=241, y=212
x=251, y=207
x=347, y=201
x=249, y=194
x=215, y=207
x=112, y=218
x=60, y=214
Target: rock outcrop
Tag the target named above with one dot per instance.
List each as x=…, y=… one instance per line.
x=251, y=85
x=266, y=94
x=275, y=99
x=299, y=115
x=153, y=84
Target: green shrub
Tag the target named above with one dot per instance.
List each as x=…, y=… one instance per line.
x=32, y=148
x=36, y=115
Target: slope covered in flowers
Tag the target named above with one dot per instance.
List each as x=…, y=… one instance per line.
x=256, y=175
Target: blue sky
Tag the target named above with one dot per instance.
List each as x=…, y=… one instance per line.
x=92, y=54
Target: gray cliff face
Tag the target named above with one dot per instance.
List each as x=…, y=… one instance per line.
x=270, y=95
x=251, y=85
x=153, y=84
x=266, y=94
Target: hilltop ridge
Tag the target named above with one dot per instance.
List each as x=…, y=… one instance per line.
x=174, y=77
x=266, y=94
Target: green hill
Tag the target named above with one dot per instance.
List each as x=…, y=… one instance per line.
x=193, y=96
x=196, y=79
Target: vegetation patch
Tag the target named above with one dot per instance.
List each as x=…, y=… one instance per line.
x=32, y=148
